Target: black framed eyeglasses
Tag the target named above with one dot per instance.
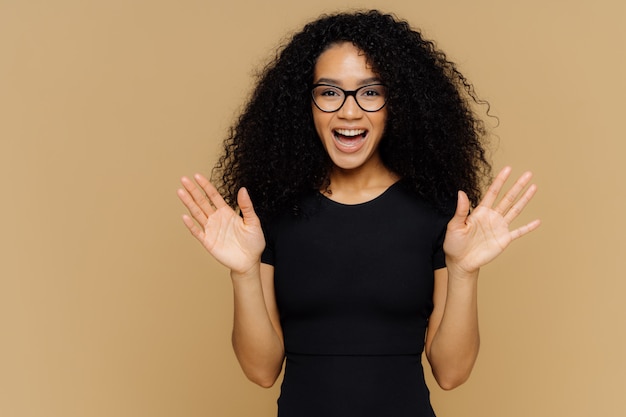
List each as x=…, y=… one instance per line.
x=330, y=98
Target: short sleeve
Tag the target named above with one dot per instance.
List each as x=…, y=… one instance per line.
x=268, y=256
x=439, y=256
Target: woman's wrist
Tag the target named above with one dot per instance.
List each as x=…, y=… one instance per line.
x=246, y=274
x=457, y=272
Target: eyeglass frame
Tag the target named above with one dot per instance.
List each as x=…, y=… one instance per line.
x=346, y=94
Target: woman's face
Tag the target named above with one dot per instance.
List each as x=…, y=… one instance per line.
x=350, y=135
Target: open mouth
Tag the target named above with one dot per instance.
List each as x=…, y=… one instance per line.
x=350, y=137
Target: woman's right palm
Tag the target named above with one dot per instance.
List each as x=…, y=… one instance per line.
x=235, y=241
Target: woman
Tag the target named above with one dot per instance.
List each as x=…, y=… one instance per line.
x=358, y=253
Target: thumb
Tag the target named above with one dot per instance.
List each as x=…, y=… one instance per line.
x=462, y=209
x=246, y=207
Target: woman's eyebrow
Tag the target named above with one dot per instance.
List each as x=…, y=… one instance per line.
x=332, y=81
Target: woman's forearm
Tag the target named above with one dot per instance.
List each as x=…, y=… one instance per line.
x=257, y=342
x=455, y=346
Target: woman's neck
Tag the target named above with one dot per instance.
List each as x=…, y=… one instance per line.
x=357, y=186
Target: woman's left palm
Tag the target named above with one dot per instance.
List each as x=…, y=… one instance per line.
x=476, y=239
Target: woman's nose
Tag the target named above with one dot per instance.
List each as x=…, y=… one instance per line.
x=350, y=109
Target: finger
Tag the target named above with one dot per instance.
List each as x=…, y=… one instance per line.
x=494, y=189
x=511, y=196
x=519, y=206
x=246, y=207
x=185, y=195
x=462, y=210
x=198, y=195
x=196, y=212
x=524, y=230
x=196, y=231
x=211, y=191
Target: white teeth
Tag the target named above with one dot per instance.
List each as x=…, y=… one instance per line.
x=350, y=132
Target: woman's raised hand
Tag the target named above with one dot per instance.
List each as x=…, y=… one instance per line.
x=476, y=239
x=235, y=241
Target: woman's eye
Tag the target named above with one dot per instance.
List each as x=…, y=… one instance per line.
x=372, y=92
x=330, y=93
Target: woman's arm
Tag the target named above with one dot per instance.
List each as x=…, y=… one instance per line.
x=471, y=242
x=257, y=335
x=452, y=340
x=238, y=242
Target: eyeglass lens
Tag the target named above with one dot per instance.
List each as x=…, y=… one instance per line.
x=330, y=98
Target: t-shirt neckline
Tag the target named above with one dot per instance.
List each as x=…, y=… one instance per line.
x=364, y=203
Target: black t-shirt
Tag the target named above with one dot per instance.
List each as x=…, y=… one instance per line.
x=356, y=279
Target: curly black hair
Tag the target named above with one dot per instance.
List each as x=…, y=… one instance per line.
x=433, y=140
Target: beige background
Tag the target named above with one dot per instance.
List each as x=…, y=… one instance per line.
x=109, y=308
